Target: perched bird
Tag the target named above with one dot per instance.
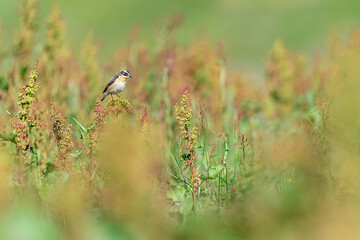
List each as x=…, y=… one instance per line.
x=116, y=84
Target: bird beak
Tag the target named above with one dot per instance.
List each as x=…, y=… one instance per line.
x=130, y=76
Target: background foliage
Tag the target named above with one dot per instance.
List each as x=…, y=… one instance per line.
x=194, y=148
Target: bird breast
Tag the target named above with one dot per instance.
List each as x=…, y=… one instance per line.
x=119, y=86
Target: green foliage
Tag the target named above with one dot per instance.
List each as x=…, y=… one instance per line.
x=83, y=131
x=54, y=185
x=8, y=136
x=197, y=151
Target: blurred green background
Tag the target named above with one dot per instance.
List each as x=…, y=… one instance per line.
x=297, y=179
x=248, y=28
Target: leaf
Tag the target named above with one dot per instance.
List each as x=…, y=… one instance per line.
x=8, y=136
x=88, y=130
x=50, y=167
x=83, y=131
x=82, y=128
x=186, y=156
x=213, y=172
x=177, y=164
x=176, y=193
x=56, y=177
x=23, y=71
x=77, y=153
x=181, y=199
x=33, y=156
x=11, y=114
x=53, y=185
x=4, y=85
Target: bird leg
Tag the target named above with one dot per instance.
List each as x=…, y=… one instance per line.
x=112, y=97
x=118, y=96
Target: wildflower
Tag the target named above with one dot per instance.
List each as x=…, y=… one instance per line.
x=27, y=94
x=192, y=140
x=21, y=129
x=195, y=180
x=62, y=136
x=285, y=77
x=144, y=119
x=117, y=107
x=183, y=115
x=113, y=108
x=25, y=39
x=92, y=69
x=100, y=113
x=54, y=46
x=243, y=144
x=25, y=118
x=184, y=167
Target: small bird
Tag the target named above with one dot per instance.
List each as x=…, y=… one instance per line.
x=116, y=84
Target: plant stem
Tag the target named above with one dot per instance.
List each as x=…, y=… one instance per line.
x=219, y=189
x=194, y=200
x=192, y=181
x=180, y=171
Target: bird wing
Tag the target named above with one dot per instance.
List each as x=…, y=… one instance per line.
x=112, y=80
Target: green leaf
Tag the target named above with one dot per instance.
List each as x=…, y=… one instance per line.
x=33, y=156
x=77, y=153
x=23, y=71
x=176, y=163
x=11, y=114
x=186, y=156
x=214, y=172
x=4, y=85
x=53, y=185
x=82, y=128
x=176, y=193
x=49, y=168
x=83, y=131
x=181, y=199
x=8, y=136
x=88, y=130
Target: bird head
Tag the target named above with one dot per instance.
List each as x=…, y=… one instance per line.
x=126, y=74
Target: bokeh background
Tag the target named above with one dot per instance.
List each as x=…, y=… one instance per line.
x=248, y=28
x=241, y=120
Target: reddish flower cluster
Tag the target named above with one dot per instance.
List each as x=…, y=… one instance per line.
x=100, y=113
x=145, y=118
x=118, y=106
x=62, y=136
x=21, y=128
x=196, y=180
x=113, y=108
x=212, y=151
x=243, y=143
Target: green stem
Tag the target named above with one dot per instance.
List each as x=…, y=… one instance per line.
x=192, y=180
x=179, y=157
x=219, y=189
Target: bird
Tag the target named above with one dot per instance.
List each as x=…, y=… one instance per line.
x=116, y=84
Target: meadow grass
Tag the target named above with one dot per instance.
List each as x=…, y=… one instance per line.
x=190, y=150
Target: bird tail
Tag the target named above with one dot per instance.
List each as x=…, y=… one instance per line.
x=105, y=94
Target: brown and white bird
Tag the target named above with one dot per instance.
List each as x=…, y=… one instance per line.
x=116, y=84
